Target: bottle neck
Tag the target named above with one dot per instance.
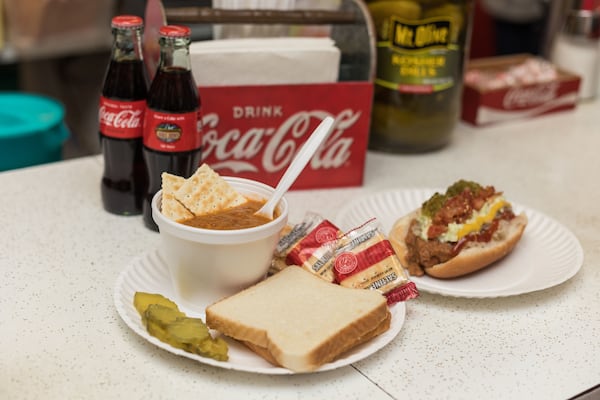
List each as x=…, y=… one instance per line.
x=127, y=44
x=174, y=53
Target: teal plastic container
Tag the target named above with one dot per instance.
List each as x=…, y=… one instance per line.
x=32, y=130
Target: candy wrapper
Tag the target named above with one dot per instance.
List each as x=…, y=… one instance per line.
x=310, y=245
x=365, y=259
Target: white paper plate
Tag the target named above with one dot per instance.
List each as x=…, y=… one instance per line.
x=547, y=255
x=148, y=273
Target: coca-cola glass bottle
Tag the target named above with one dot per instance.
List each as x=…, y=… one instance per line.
x=172, y=125
x=121, y=116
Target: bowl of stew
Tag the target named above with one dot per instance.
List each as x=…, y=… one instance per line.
x=218, y=254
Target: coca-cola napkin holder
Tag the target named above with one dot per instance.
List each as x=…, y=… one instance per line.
x=485, y=107
x=253, y=131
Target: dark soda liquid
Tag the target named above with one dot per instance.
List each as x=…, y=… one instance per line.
x=125, y=179
x=173, y=90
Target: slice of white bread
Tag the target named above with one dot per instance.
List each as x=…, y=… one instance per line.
x=299, y=321
x=382, y=327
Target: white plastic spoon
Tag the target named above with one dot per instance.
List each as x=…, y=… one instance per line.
x=296, y=166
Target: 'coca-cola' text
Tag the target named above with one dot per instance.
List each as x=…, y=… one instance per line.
x=121, y=119
x=523, y=97
x=272, y=148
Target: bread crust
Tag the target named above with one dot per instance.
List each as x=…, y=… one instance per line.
x=473, y=257
x=258, y=339
x=378, y=330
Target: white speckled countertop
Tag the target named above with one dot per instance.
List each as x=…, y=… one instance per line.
x=61, y=336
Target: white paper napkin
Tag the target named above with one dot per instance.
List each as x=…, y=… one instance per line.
x=264, y=61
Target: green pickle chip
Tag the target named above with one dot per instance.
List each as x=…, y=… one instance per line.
x=158, y=318
x=141, y=301
x=185, y=333
x=163, y=320
x=214, y=348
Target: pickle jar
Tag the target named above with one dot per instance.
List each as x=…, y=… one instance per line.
x=422, y=46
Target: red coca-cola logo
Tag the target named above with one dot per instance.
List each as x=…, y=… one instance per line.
x=121, y=119
x=523, y=97
x=277, y=145
x=254, y=131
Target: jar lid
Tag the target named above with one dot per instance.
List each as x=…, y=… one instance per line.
x=582, y=23
x=175, y=31
x=127, y=22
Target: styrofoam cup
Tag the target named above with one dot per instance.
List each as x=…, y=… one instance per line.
x=208, y=264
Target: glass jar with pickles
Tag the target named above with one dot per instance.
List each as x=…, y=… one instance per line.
x=421, y=49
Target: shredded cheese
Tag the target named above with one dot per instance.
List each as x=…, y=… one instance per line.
x=455, y=232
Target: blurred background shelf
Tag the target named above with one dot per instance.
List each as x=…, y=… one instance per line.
x=60, y=49
x=65, y=46
x=9, y=54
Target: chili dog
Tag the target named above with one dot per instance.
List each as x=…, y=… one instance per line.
x=463, y=230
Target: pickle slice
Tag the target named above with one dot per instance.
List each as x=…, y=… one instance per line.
x=215, y=348
x=191, y=334
x=163, y=320
x=184, y=333
x=158, y=318
x=141, y=301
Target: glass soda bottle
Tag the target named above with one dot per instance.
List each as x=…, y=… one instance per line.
x=172, y=125
x=121, y=117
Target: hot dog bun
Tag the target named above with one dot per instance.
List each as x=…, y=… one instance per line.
x=473, y=257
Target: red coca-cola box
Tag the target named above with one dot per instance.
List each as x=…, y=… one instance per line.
x=255, y=131
x=483, y=105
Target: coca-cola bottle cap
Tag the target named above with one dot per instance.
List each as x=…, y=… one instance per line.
x=127, y=22
x=175, y=31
